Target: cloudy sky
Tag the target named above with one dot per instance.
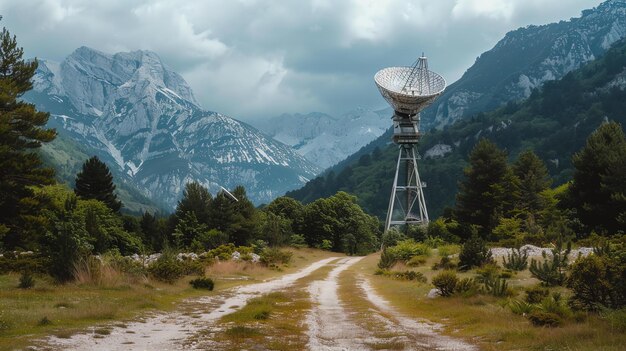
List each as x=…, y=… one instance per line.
x=258, y=58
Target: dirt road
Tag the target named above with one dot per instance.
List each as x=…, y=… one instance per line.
x=330, y=323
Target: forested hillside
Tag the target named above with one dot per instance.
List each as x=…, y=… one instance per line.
x=553, y=122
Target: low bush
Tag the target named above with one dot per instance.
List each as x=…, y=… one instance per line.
x=598, y=281
x=517, y=260
x=445, y=263
x=521, y=307
x=409, y=275
x=222, y=252
x=387, y=260
x=551, y=271
x=20, y=262
x=392, y=237
x=467, y=287
x=445, y=282
x=474, y=253
x=202, y=283
x=544, y=319
x=416, y=261
x=448, y=250
x=297, y=241
x=166, y=269
x=434, y=242
x=274, y=256
x=555, y=304
x=26, y=281
x=490, y=277
x=406, y=249
x=44, y=321
x=536, y=294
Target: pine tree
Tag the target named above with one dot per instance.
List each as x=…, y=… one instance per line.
x=597, y=190
x=21, y=132
x=488, y=190
x=196, y=199
x=96, y=182
x=533, y=179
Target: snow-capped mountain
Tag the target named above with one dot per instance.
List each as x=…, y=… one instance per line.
x=325, y=140
x=144, y=121
x=526, y=58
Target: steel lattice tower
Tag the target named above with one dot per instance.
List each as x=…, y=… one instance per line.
x=408, y=90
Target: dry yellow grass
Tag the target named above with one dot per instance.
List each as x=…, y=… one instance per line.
x=275, y=321
x=107, y=295
x=483, y=321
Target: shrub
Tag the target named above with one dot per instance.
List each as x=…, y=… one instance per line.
x=202, y=283
x=262, y=315
x=448, y=250
x=536, y=294
x=44, y=321
x=434, y=242
x=410, y=275
x=392, y=237
x=222, y=252
x=516, y=260
x=326, y=245
x=598, y=281
x=26, y=281
x=259, y=245
x=467, y=286
x=166, y=268
x=34, y=263
x=497, y=287
x=552, y=271
x=493, y=284
x=444, y=263
x=474, y=253
x=544, y=319
x=445, y=282
x=555, y=304
x=416, y=261
x=387, y=260
x=404, y=250
x=298, y=241
x=274, y=256
x=521, y=307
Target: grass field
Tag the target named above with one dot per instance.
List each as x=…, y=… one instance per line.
x=51, y=309
x=484, y=320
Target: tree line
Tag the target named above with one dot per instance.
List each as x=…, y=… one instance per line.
x=61, y=225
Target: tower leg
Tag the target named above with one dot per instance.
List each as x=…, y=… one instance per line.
x=407, y=204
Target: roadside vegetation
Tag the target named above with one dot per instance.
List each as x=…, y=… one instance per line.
x=558, y=297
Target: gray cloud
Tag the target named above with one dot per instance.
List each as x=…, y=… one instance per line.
x=253, y=58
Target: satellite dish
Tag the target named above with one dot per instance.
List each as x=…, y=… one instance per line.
x=228, y=193
x=410, y=89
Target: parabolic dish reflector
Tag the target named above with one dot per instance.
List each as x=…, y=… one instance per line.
x=409, y=89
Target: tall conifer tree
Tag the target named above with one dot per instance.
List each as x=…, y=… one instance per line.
x=598, y=190
x=488, y=189
x=21, y=132
x=96, y=182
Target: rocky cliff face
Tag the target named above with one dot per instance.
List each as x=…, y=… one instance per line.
x=526, y=58
x=144, y=121
x=325, y=140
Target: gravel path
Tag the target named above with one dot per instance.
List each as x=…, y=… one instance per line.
x=169, y=331
x=424, y=335
x=329, y=326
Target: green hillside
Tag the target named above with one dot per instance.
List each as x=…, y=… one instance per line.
x=554, y=122
x=67, y=157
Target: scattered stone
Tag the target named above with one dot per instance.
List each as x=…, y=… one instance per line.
x=433, y=293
